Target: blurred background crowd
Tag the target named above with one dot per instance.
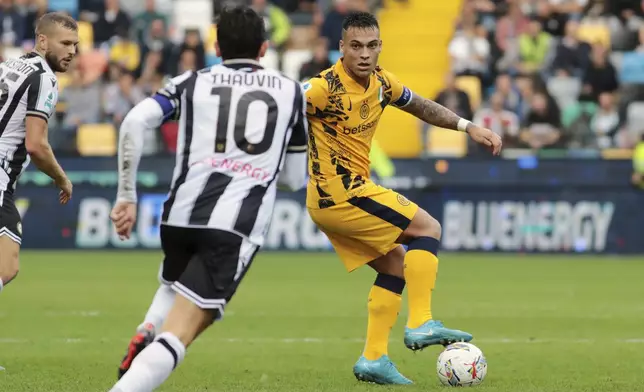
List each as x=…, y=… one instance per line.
x=547, y=75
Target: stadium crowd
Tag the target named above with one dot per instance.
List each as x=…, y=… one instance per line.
x=558, y=74
x=549, y=73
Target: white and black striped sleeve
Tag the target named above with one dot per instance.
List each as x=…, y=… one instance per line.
x=293, y=175
x=42, y=95
x=299, y=136
x=169, y=97
x=145, y=116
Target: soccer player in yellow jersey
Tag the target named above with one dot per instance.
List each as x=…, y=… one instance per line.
x=367, y=223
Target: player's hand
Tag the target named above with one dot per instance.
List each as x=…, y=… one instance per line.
x=124, y=217
x=65, y=187
x=485, y=137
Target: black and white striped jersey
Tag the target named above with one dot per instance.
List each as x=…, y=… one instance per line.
x=237, y=122
x=28, y=87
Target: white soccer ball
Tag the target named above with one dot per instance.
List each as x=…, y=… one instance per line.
x=461, y=365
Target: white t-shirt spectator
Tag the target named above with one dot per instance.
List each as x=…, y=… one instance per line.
x=502, y=122
x=469, y=52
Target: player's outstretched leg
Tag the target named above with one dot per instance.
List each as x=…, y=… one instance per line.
x=421, y=268
x=157, y=361
x=146, y=331
x=384, y=305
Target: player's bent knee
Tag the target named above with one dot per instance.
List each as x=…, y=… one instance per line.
x=9, y=267
x=391, y=264
x=187, y=320
x=422, y=225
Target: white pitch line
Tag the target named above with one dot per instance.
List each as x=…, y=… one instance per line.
x=311, y=340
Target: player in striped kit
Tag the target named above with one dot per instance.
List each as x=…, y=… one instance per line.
x=28, y=97
x=242, y=133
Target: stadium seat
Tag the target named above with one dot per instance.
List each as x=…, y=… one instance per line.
x=85, y=36
x=293, y=60
x=472, y=86
x=565, y=90
x=444, y=142
x=96, y=140
x=593, y=33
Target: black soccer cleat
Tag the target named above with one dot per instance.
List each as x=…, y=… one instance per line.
x=144, y=336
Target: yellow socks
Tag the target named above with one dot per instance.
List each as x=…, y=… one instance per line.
x=421, y=267
x=384, y=305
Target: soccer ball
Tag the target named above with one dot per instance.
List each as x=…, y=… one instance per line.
x=461, y=365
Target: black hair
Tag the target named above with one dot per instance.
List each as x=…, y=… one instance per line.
x=240, y=33
x=360, y=20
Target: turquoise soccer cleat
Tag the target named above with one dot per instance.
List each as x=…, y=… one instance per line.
x=431, y=333
x=379, y=371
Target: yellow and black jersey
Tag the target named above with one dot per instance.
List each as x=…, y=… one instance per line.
x=343, y=117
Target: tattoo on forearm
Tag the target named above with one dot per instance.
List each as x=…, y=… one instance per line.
x=432, y=112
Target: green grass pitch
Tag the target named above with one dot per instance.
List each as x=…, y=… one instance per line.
x=545, y=323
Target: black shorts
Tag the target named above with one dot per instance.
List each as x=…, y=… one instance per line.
x=10, y=223
x=205, y=265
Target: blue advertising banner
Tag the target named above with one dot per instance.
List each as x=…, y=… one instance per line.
x=532, y=220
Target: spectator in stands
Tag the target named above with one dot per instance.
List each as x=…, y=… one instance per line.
x=526, y=89
x=332, y=26
x=35, y=9
x=188, y=61
x=573, y=8
x=500, y=120
x=542, y=128
x=112, y=20
x=143, y=21
x=120, y=97
x=487, y=11
x=605, y=123
x=155, y=40
x=508, y=92
x=82, y=103
x=572, y=55
x=552, y=21
x=513, y=24
x=318, y=63
x=90, y=10
x=125, y=51
x=470, y=51
x=13, y=24
x=151, y=75
x=534, y=47
x=468, y=18
x=452, y=98
x=600, y=76
x=623, y=23
x=191, y=42
x=278, y=25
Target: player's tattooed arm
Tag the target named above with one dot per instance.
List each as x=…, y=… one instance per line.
x=432, y=113
x=440, y=116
